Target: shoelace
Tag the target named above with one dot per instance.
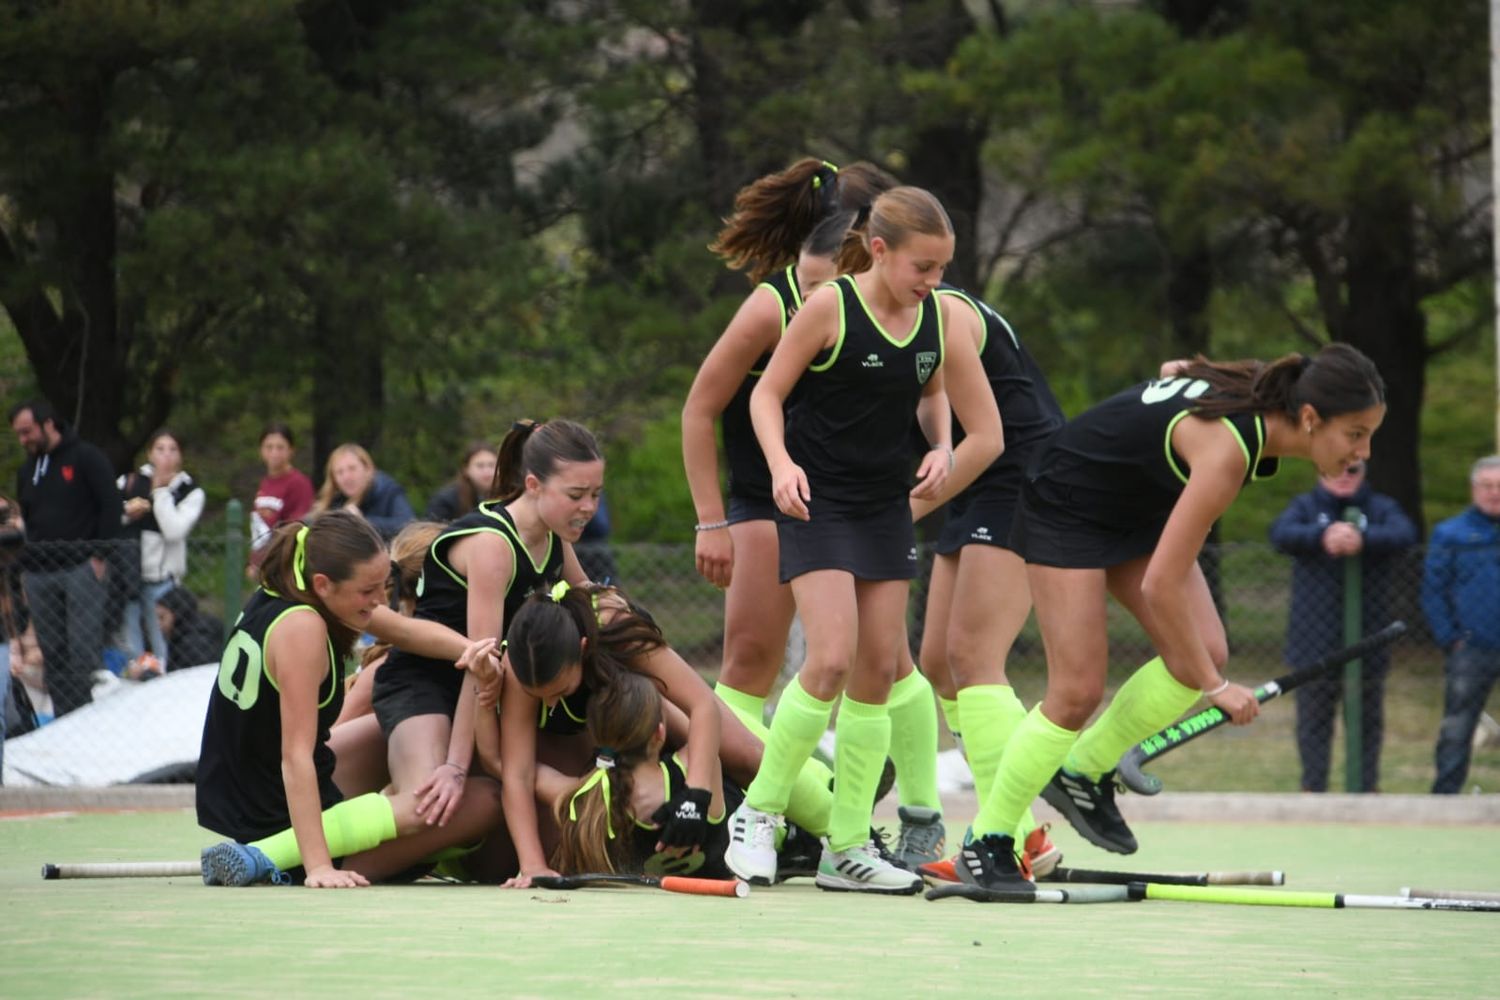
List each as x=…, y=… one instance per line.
x=762, y=832
x=923, y=840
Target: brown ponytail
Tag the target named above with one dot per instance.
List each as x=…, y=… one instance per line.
x=893, y=216
x=1338, y=379
x=545, y=636
x=538, y=449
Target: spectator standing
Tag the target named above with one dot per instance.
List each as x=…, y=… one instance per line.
x=284, y=494
x=164, y=503
x=352, y=481
x=1342, y=518
x=464, y=491
x=1461, y=597
x=69, y=502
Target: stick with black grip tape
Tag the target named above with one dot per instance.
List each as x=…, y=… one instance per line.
x=1137, y=757
x=671, y=883
x=1091, y=876
x=1031, y=894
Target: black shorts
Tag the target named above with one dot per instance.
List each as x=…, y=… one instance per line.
x=1074, y=527
x=872, y=545
x=743, y=509
x=407, y=685
x=981, y=516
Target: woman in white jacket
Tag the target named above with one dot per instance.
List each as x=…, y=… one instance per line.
x=163, y=502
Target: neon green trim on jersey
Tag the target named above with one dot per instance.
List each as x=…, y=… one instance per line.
x=333, y=660
x=984, y=328
x=838, y=344
x=1249, y=462
x=1167, y=446
x=1260, y=452
x=911, y=334
x=563, y=704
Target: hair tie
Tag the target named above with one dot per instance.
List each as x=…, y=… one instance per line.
x=394, y=582
x=861, y=217
x=602, y=766
x=559, y=591
x=1304, y=364
x=606, y=757
x=299, y=559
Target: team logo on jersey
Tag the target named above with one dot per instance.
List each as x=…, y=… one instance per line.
x=926, y=362
x=912, y=555
x=981, y=534
x=873, y=361
x=1162, y=389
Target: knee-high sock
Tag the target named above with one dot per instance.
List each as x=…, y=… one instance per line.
x=992, y=712
x=747, y=708
x=1035, y=751
x=951, y=715
x=914, y=741
x=800, y=721
x=863, y=738
x=810, y=802
x=353, y=825
x=1149, y=700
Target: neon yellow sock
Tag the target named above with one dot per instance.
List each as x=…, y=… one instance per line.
x=950, y=711
x=863, y=738
x=353, y=825
x=994, y=712
x=914, y=741
x=1036, y=749
x=1150, y=699
x=800, y=721
x=810, y=802
x=747, y=708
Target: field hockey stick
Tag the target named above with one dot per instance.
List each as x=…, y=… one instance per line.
x=1488, y=897
x=671, y=883
x=1095, y=877
x=1321, y=900
x=1211, y=718
x=1082, y=894
x=124, y=869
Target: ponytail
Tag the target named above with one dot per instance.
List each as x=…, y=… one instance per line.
x=1337, y=380
x=552, y=631
x=594, y=818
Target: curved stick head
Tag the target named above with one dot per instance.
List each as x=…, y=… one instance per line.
x=1129, y=772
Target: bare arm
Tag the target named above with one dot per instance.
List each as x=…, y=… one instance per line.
x=297, y=660
x=1218, y=469
x=519, y=712
x=755, y=329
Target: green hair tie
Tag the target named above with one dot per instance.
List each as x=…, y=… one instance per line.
x=299, y=559
x=602, y=766
x=559, y=590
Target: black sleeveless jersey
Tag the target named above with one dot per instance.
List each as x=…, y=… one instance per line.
x=851, y=428
x=1028, y=410
x=570, y=715
x=749, y=477
x=240, y=790
x=708, y=860
x=1122, y=446
x=443, y=592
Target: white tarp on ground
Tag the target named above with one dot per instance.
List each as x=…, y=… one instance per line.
x=130, y=731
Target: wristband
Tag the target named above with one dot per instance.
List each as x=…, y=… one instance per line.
x=1218, y=690
x=710, y=525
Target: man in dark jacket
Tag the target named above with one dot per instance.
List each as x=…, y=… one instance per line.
x=1341, y=519
x=67, y=494
x=1461, y=598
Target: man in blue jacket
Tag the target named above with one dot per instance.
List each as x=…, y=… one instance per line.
x=1341, y=519
x=1461, y=597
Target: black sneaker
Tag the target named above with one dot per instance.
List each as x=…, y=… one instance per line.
x=1090, y=807
x=990, y=863
x=799, y=855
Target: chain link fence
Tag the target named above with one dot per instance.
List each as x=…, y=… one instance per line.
x=76, y=651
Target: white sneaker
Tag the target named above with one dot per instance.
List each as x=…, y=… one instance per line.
x=862, y=869
x=752, y=844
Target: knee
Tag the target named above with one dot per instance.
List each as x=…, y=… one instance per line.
x=825, y=673
x=1071, y=703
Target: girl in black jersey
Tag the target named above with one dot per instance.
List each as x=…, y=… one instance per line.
x=564, y=648
x=265, y=763
x=785, y=233
x=977, y=598
x=867, y=349
x=1119, y=502
x=547, y=482
x=616, y=818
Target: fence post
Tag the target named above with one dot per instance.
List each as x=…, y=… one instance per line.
x=234, y=563
x=1353, y=671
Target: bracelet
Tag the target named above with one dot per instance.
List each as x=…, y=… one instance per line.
x=711, y=525
x=1218, y=690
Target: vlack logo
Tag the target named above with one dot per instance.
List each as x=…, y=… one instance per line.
x=981, y=534
x=873, y=361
